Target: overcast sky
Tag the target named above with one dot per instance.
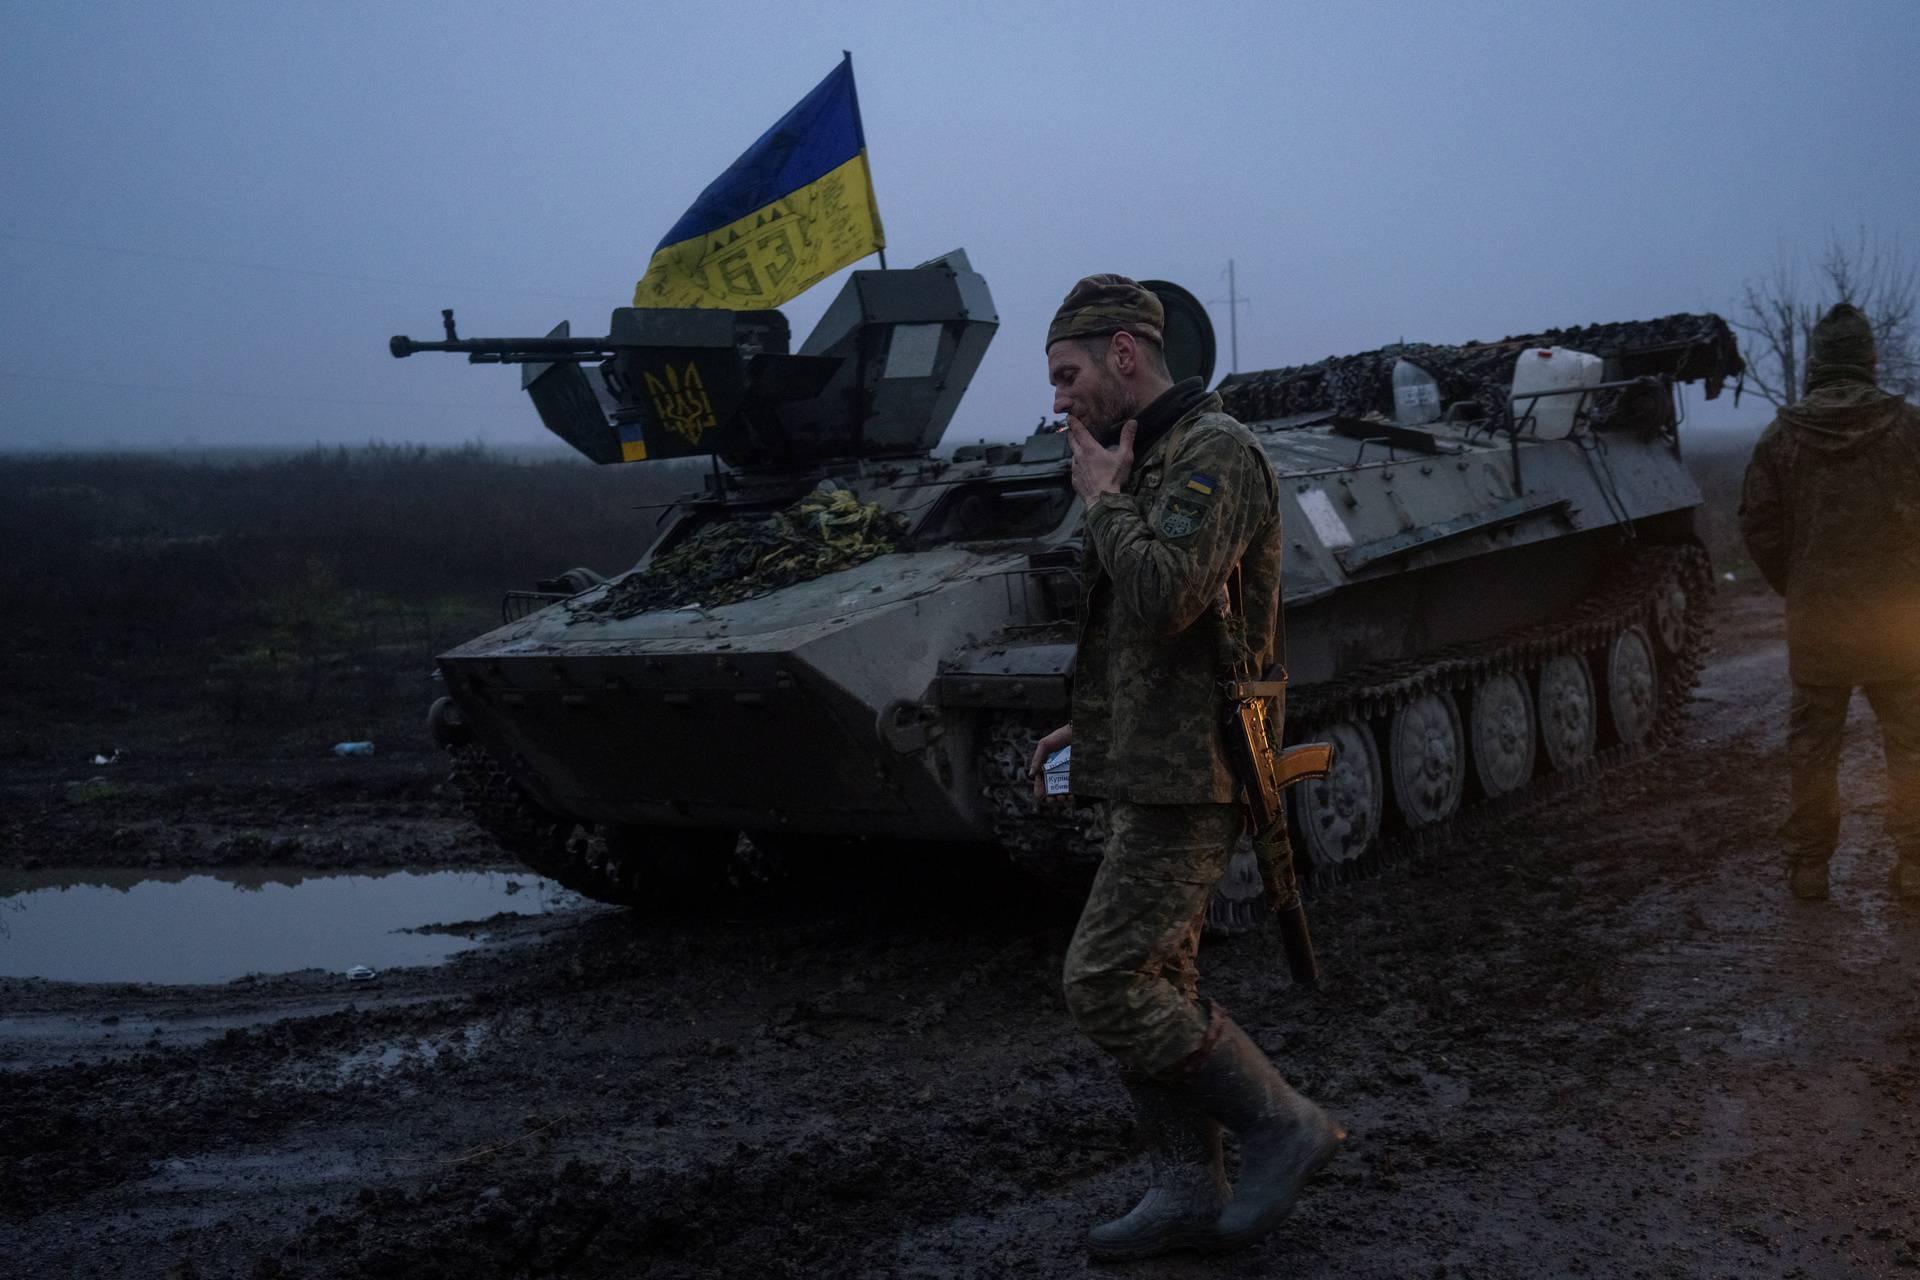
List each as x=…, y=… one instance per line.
x=217, y=213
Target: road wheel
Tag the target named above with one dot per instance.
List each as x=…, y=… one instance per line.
x=1239, y=901
x=1338, y=816
x=1670, y=618
x=1427, y=759
x=1502, y=734
x=1633, y=700
x=1568, y=719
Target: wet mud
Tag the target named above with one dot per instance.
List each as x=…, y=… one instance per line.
x=1600, y=1042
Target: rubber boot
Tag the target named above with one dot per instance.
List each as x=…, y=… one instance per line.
x=1187, y=1185
x=1284, y=1139
x=1807, y=881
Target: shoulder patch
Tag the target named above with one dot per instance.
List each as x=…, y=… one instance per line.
x=1200, y=483
x=1182, y=516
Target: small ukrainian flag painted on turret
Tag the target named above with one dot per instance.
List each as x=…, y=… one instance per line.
x=793, y=209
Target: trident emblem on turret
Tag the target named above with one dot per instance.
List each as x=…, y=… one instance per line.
x=680, y=402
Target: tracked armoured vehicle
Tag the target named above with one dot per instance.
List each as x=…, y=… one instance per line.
x=1493, y=590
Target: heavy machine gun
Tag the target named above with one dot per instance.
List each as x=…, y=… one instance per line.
x=879, y=376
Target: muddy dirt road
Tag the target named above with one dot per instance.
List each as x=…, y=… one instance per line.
x=1601, y=1043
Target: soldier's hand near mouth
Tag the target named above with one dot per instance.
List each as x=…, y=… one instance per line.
x=1096, y=468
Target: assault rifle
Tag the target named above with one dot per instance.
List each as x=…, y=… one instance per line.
x=1255, y=711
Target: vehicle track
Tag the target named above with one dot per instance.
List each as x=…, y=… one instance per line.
x=1061, y=845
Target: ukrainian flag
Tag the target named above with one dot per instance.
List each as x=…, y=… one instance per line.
x=791, y=211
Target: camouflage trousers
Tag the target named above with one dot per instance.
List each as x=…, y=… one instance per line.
x=1815, y=725
x=1130, y=978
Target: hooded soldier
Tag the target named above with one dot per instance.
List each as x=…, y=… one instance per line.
x=1831, y=515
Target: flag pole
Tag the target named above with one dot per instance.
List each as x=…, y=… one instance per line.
x=848, y=55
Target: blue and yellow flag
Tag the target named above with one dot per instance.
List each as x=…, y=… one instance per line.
x=792, y=210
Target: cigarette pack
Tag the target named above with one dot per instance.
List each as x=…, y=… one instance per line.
x=1056, y=771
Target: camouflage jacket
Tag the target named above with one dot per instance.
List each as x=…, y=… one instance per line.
x=1153, y=643
x=1831, y=514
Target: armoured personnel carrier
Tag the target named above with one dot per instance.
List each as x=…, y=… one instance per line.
x=1492, y=589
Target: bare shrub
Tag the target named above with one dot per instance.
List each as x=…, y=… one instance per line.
x=1777, y=313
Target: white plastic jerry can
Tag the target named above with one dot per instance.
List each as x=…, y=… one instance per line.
x=1552, y=369
x=1416, y=396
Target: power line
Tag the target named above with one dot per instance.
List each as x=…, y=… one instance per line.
x=215, y=393
x=209, y=261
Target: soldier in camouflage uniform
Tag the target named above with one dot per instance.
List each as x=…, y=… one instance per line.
x=1831, y=515
x=1179, y=497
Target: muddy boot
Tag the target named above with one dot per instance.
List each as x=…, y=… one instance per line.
x=1187, y=1186
x=1284, y=1139
x=1906, y=879
x=1807, y=881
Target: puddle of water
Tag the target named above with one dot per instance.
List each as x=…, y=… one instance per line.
x=124, y=926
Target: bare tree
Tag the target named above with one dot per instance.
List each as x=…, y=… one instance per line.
x=1778, y=311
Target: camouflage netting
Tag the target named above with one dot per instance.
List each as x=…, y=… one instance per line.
x=737, y=559
x=1685, y=347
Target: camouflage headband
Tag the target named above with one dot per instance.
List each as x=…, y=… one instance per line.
x=1106, y=304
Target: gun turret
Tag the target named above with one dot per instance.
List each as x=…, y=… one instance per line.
x=880, y=375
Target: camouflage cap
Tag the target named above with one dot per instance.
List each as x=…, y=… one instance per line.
x=1843, y=336
x=1107, y=304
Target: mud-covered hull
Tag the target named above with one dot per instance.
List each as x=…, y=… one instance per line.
x=810, y=718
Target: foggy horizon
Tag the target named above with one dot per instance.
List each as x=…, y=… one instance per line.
x=220, y=214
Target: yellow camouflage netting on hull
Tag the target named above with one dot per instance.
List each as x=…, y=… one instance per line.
x=744, y=557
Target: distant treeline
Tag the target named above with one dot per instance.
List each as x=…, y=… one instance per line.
x=260, y=587
x=147, y=541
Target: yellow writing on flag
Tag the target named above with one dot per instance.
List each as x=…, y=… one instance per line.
x=774, y=253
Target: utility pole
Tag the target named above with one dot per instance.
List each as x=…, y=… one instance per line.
x=1234, y=302
x=1233, y=318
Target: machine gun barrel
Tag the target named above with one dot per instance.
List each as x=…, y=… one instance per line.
x=509, y=350
x=552, y=349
